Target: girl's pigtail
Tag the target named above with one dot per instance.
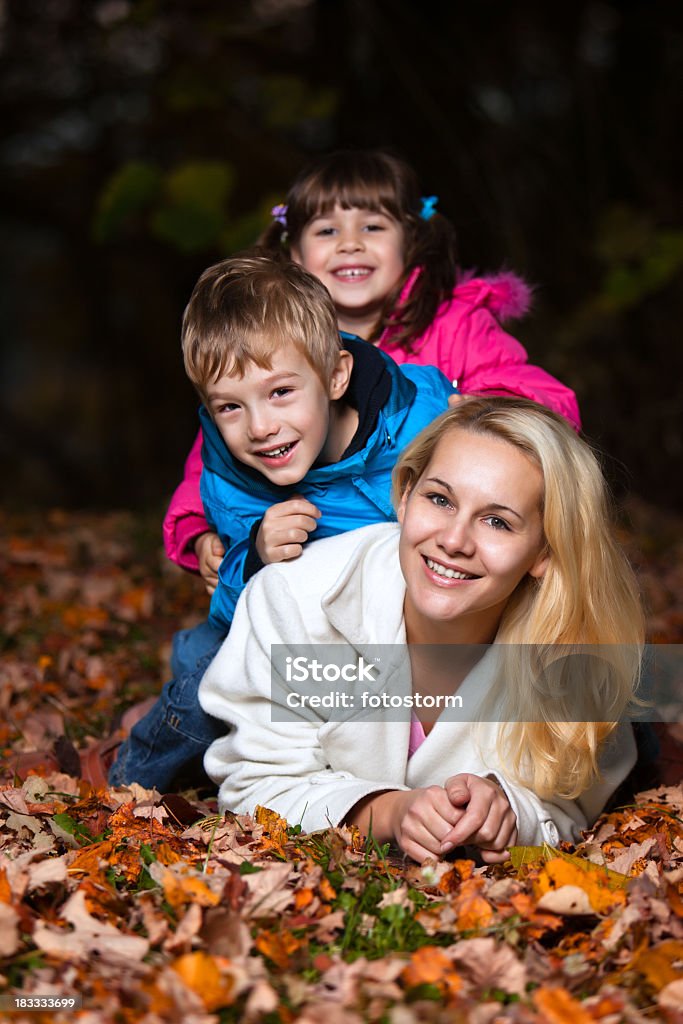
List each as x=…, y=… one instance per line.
x=275, y=239
x=431, y=251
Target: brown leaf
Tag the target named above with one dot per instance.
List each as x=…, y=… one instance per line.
x=10, y=942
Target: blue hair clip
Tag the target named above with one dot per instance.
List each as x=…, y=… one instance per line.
x=428, y=206
x=279, y=213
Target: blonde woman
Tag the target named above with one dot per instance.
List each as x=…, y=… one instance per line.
x=504, y=552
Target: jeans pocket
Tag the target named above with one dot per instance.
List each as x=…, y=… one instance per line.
x=184, y=714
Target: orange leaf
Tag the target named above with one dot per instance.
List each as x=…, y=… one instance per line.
x=594, y=881
x=92, y=860
x=557, y=1006
x=136, y=603
x=180, y=890
x=80, y=616
x=657, y=964
x=472, y=909
x=273, y=824
x=461, y=870
x=5, y=890
x=539, y=921
x=429, y=965
x=303, y=898
x=201, y=973
x=277, y=946
x=166, y=855
x=326, y=890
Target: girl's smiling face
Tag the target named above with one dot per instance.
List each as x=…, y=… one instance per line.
x=358, y=256
x=471, y=531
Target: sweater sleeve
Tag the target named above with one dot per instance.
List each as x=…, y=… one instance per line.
x=493, y=362
x=280, y=765
x=185, y=520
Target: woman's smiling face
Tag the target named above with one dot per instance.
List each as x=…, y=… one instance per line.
x=471, y=531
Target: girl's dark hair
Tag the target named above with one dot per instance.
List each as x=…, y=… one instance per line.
x=380, y=181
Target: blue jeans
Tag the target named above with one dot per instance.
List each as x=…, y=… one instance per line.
x=170, y=741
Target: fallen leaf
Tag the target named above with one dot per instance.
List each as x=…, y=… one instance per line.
x=557, y=1006
x=202, y=974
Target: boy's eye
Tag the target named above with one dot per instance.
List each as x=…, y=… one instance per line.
x=496, y=523
x=281, y=392
x=226, y=407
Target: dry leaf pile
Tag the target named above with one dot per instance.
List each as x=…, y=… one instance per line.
x=154, y=909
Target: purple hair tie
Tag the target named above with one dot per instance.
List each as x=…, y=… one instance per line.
x=279, y=213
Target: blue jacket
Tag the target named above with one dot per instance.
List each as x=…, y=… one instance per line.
x=353, y=492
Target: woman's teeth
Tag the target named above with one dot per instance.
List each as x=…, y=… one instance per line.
x=450, y=574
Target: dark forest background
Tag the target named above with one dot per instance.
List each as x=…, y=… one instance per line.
x=143, y=140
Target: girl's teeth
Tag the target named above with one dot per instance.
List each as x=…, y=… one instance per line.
x=451, y=574
x=352, y=272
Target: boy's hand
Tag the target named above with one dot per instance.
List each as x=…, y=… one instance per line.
x=209, y=550
x=284, y=530
x=487, y=820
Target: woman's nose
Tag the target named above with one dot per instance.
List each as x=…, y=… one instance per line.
x=457, y=537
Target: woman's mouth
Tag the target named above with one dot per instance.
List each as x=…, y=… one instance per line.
x=445, y=572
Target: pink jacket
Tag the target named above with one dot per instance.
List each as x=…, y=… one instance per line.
x=465, y=341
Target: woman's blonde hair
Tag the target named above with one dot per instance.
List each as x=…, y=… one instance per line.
x=587, y=596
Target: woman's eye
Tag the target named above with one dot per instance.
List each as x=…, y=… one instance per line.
x=496, y=523
x=440, y=500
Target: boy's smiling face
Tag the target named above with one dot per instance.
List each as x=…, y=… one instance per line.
x=279, y=421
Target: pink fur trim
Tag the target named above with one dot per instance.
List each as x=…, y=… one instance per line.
x=511, y=296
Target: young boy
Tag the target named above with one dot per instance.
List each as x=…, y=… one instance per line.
x=302, y=427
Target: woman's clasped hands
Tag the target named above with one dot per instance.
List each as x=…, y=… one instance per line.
x=466, y=810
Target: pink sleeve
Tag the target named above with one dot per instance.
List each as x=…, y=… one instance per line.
x=185, y=518
x=484, y=359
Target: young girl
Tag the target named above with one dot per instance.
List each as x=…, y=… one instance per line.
x=504, y=540
x=356, y=220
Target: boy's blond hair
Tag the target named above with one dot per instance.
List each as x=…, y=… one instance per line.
x=244, y=308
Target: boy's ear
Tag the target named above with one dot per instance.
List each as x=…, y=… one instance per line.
x=341, y=375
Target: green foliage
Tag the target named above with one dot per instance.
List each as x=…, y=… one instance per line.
x=187, y=207
x=640, y=258
x=129, y=191
x=193, y=212
x=75, y=828
x=288, y=100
